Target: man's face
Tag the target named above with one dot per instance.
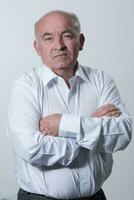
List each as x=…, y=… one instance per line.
x=57, y=42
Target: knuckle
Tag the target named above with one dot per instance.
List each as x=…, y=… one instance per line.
x=109, y=105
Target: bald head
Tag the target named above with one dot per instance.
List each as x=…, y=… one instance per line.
x=55, y=13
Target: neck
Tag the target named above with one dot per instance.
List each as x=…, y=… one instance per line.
x=66, y=73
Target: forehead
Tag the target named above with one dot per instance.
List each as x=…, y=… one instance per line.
x=55, y=22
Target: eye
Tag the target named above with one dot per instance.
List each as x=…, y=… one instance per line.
x=48, y=39
x=68, y=35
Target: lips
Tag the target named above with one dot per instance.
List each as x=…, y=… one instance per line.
x=59, y=55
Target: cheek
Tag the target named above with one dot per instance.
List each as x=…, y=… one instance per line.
x=75, y=50
x=44, y=52
x=74, y=47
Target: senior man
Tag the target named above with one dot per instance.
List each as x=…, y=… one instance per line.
x=64, y=120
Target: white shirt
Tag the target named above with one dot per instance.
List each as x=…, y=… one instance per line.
x=77, y=162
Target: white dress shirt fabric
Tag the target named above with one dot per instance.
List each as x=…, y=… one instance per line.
x=77, y=162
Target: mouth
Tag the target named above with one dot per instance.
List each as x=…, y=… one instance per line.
x=60, y=55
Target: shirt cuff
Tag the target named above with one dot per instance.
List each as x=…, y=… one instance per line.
x=69, y=126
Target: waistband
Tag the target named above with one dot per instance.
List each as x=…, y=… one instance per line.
x=28, y=195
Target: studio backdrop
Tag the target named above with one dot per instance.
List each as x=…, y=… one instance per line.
x=109, y=45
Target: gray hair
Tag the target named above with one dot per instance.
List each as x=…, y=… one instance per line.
x=72, y=15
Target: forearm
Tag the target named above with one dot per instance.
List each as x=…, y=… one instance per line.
x=106, y=134
x=44, y=150
x=103, y=134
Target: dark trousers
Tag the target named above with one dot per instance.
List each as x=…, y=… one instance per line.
x=23, y=195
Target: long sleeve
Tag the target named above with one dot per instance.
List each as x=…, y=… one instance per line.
x=23, y=130
x=105, y=134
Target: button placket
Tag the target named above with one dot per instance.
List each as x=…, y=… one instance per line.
x=73, y=96
x=62, y=93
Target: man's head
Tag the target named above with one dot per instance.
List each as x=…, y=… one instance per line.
x=58, y=39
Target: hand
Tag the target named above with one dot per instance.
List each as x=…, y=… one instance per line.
x=50, y=125
x=107, y=110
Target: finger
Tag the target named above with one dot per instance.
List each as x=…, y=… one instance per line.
x=42, y=128
x=107, y=110
x=41, y=125
x=118, y=115
x=105, y=106
x=44, y=132
x=114, y=113
x=110, y=111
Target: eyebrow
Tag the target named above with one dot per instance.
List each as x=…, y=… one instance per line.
x=68, y=31
x=46, y=34
x=50, y=34
x=65, y=31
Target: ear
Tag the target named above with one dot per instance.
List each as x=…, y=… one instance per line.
x=36, y=47
x=82, y=40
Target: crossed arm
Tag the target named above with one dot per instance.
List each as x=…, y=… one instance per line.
x=32, y=141
x=106, y=130
x=49, y=125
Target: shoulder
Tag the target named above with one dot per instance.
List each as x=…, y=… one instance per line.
x=30, y=79
x=28, y=84
x=96, y=76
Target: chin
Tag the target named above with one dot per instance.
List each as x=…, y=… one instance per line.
x=61, y=66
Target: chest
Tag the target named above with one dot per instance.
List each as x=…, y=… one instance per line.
x=81, y=100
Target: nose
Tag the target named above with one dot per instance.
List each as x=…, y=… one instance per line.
x=59, y=44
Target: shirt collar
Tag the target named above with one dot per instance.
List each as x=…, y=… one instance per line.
x=49, y=75
x=81, y=73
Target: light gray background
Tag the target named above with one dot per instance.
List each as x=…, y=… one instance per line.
x=108, y=26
